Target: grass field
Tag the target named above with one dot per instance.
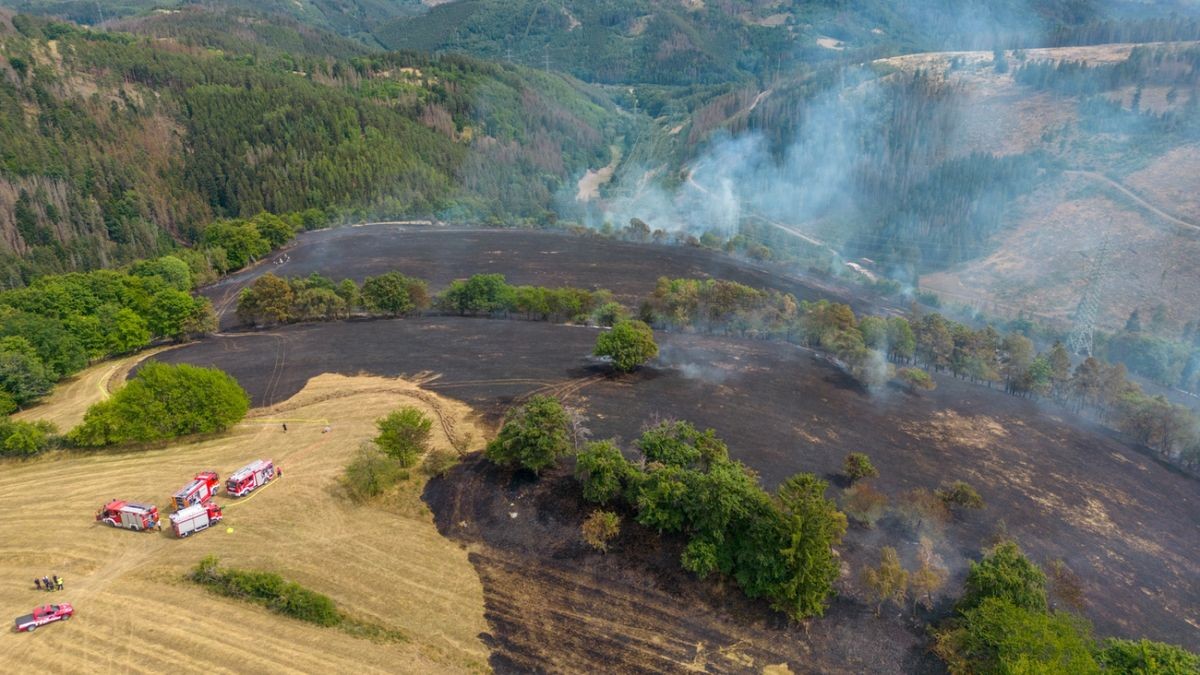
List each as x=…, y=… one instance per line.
x=136, y=613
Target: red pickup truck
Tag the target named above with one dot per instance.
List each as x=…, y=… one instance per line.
x=44, y=615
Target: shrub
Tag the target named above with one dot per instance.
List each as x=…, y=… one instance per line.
x=858, y=466
x=864, y=504
x=610, y=313
x=602, y=470
x=163, y=402
x=371, y=473
x=439, y=462
x=268, y=589
x=404, y=435
x=24, y=439
x=960, y=494
x=1147, y=657
x=600, y=528
x=534, y=436
x=998, y=636
x=629, y=344
x=1008, y=575
x=915, y=378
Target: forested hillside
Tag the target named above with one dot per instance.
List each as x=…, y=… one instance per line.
x=115, y=145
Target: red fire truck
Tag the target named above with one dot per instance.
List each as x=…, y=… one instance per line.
x=129, y=515
x=251, y=477
x=40, y=616
x=195, y=518
x=200, y=490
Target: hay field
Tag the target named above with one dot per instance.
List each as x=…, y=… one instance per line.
x=134, y=611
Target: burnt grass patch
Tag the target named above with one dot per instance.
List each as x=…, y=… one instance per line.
x=1128, y=527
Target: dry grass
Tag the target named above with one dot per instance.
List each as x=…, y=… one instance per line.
x=388, y=566
x=72, y=397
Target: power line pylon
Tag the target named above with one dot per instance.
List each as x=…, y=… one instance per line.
x=1082, y=336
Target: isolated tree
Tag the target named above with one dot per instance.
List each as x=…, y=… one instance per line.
x=888, y=581
x=812, y=527
x=600, y=528
x=1005, y=574
x=348, y=291
x=960, y=494
x=534, y=436
x=404, y=435
x=929, y=576
x=629, y=344
x=858, y=466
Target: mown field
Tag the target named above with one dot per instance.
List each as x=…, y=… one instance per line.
x=387, y=565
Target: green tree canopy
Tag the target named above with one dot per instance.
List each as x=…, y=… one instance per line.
x=162, y=402
x=534, y=436
x=629, y=344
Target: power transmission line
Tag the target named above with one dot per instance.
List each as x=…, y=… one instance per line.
x=1082, y=336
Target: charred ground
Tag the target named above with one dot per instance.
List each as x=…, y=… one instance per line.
x=1125, y=524
x=440, y=255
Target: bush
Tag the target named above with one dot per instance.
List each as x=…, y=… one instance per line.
x=1008, y=575
x=998, y=636
x=610, y=313
x=960, y=494
x=629, y=344
x=1147, y=657
x=915, y=378
x=24, y=439
x=534, y=436
x=858, y=466
x=864, y=504
x=164, y=402
x=600, y=528
x=439, y=462
x=371, y=473
x=404, y=435
x=603, y=471
x=268, y=589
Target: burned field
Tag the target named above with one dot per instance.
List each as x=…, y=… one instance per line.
x=1126, y=525
x=440, y=255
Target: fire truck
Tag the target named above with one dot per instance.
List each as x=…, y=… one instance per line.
x=129, y=515
x=44, y=615
x=251, y=477
x=195, y=518
x=200, y=490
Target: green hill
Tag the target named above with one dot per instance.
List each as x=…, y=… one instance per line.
x=115, y=145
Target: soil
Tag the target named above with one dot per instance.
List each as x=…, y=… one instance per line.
x=440, y=255
x=1125, y=524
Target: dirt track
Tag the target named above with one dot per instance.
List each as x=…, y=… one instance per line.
x=1127, y=525
x=136, y=614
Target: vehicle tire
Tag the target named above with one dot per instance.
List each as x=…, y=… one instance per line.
x=31, y=629
x=66, y=617
x=135, y=528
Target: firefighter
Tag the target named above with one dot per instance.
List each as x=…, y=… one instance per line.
x=58, y=584
x=37, y=583
x=46, y=584
x=285, y=426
